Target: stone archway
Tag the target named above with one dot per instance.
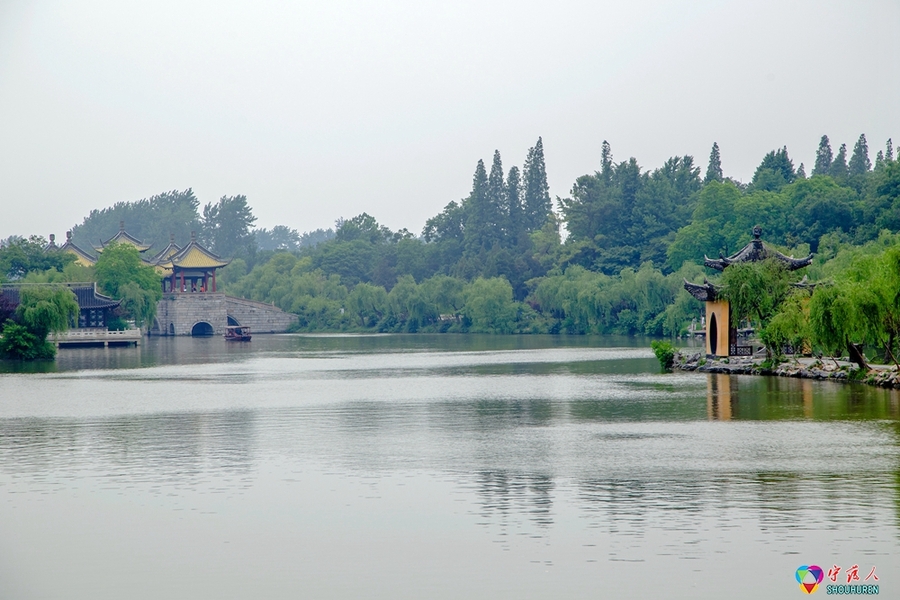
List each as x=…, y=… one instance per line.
x=202, y=329
x=233, y=322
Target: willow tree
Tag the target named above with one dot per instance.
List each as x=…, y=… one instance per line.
x=755, y=292
x=42, y=310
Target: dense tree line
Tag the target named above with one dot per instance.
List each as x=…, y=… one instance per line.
x=632, y=234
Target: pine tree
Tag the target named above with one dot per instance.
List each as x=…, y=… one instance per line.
x=823, y=157
x=879, y=160
x=801, y=172
x=477, y=230
x=859, y=162
x=496, y=195
x=606, y=162
x=714, y=170
x=838, y=168
x=889, y=153
x=514, y=224
x=537, y=204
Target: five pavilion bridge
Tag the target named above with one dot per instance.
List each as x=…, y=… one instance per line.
x=191, y=305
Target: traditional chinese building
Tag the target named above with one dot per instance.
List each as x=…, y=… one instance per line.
x=191, y=269
x=721, y=336
x=94, y=313
x=123, y=237
x=85, y=259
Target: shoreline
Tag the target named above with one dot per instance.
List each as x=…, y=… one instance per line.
x=806, y=367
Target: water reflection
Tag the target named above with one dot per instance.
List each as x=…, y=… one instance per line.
x=562, y=455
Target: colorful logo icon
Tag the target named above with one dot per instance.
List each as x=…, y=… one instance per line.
x=809, y=578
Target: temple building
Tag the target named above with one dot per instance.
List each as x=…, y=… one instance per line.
x=123, y=237
x=94, y=314
x=721, y=336
x=191, y=269
x=85, y=259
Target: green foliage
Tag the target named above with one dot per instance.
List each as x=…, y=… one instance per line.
x=151, y=220
x=46, y=309
x=17, y=342
x=489, y=306
x=226, y=227
x=714, y=169
x=20, y=256
x=121, y=274
x=755, y=291
x=42, y=310
x=665, y=354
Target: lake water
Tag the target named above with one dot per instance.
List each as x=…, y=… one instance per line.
x=434, y=467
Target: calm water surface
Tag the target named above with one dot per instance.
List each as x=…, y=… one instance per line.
x=434, y=467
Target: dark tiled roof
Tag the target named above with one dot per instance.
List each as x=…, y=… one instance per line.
x=86, y=294
x=756, y=251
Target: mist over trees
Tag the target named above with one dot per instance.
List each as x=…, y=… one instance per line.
x=496, y=260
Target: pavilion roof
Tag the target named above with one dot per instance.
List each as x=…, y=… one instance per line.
x=85, y=293
x=757, y=251
x=123, y=237
x=166, y=253
x=83, y=258
x=194, y=256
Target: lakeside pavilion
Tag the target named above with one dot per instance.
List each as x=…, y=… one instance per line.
x=191, y=269
x=721, y=336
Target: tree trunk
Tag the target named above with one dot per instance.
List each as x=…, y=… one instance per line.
x=857, y=356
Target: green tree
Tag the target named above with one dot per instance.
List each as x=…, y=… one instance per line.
x=536, y=201
x=775, y=171
x=20, y=256
x=839, y=169
x=756, y=291
x=515, y=215
x=42, y=310
x=123, y=275
x=226, y=227
x=714, y=169
x=496, y=198
x=489, y=306
x=151, y=220
x=479, y=232
x=824, y=157
x=859, y=161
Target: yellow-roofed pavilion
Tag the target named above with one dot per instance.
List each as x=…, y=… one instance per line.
x=191, y=269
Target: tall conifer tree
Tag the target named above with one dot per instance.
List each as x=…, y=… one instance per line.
x=838, y=167
x=824, y=157
x=496, y=194
x=606, y=162
x=889, y=152
x=514, y=217
x=714, y=170
x=478, y=231
x=859, y=162
x=537, y=204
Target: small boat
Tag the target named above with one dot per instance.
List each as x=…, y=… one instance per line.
x=237, y=333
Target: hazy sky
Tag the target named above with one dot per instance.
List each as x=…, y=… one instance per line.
x=317, y=110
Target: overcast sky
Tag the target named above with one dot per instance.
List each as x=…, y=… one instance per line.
x=318, y=110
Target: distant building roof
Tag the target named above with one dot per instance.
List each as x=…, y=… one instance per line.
x=83, y=258
x=193, y=256
x=86, y=293
x=757, y=251
x=123, y=237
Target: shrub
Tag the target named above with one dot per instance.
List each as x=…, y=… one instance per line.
x=665, y=354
